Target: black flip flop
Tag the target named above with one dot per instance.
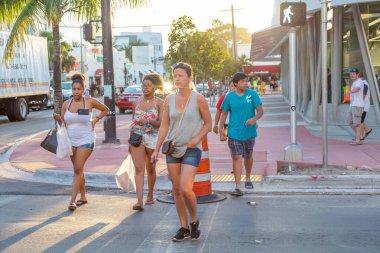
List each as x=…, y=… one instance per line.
x=81, y=202
x=237, y=192
x=138, y=208
x=248, y=185
x=366, y=134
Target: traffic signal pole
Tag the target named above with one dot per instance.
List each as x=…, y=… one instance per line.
x=109, y=91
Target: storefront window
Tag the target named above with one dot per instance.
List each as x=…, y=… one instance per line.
x=370, y=13
x=351, y=53
x=352, y=56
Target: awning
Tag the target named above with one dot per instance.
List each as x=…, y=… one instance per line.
x=99, y=72
x=262, y=68
x=266, y=41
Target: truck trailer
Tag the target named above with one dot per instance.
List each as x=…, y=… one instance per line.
x=25, y=79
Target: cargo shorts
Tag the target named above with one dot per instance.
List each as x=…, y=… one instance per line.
x=354, y=115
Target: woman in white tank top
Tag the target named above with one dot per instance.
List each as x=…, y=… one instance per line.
x=182, y=164
x=76, y=114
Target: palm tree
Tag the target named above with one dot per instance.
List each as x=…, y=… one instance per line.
x=128, y=48
x=23, y=15
x=244, y=60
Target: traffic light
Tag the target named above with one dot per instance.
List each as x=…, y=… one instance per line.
x=89, y=32
x=293, y=14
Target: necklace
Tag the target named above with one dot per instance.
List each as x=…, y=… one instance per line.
x=148, y=101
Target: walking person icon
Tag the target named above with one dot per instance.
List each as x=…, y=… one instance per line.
x=287, y=13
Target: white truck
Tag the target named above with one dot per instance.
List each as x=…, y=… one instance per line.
x=25, y=79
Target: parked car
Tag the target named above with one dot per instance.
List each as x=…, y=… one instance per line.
x=203, y=89
x=126, y=99
x=67, y=91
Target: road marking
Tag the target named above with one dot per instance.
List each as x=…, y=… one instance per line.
x=159, y=239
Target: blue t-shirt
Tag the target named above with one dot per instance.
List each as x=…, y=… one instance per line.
x=241, y=108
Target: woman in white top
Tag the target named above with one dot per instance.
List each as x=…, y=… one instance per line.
x=76, y=114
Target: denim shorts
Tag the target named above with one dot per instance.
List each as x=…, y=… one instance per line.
x=87, y=145
x=243, y=148
x=149, y=140
x=191, y=157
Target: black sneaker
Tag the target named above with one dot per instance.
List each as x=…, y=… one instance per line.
x=182, y=234
x=195, y=232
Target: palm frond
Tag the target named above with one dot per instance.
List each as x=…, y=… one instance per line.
x=9, y=10
x=131, y=4
x=29, y=17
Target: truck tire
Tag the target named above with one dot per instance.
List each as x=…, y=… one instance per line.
x=20, y=109
x=10, y=111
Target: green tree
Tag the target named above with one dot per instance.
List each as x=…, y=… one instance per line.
x=181, y=31
x=222, y=33
x=67, y=59
x=206, y=55
x=22, y=15
x=243, y=60
x=128, y=48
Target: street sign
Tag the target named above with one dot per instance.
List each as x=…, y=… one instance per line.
x=292, y=14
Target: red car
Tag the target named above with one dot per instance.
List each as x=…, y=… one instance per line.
x=130, y=95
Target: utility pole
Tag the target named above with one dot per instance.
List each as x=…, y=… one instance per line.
x=234, y=52
x=109, y=91
x=233, y=32
x=324, y=22
x=81, y=49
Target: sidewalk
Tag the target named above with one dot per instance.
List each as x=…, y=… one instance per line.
x=273, y=137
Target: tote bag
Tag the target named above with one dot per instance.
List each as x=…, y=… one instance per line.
x=125, y=175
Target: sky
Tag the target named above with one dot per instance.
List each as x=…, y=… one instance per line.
x=254, y=15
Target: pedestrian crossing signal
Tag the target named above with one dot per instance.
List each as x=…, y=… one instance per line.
x=293, y=14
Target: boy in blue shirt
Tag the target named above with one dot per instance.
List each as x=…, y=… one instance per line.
x=245, y=108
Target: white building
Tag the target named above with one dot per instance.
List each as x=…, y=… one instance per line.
x=145, y=59
x=93, y=65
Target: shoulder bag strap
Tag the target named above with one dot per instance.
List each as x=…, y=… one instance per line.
x=183, y=113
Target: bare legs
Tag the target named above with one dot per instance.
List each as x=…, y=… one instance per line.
x=182, y=177
x=79, y=158
x=237, y=166
x=141, y=157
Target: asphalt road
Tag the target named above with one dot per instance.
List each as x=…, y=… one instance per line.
x=35, y=122
x=34, y=218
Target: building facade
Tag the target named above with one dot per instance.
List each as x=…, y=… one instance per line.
x=353, y=41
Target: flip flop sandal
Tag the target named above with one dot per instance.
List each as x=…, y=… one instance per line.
x=149, y=202
x=366, y=134
x=137, y=207
x=354, y=143
x=72, y=206
x=248, y=185
x=237, y=193
x=81, y=202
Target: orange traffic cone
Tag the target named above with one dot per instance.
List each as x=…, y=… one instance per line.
x=202, y=181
